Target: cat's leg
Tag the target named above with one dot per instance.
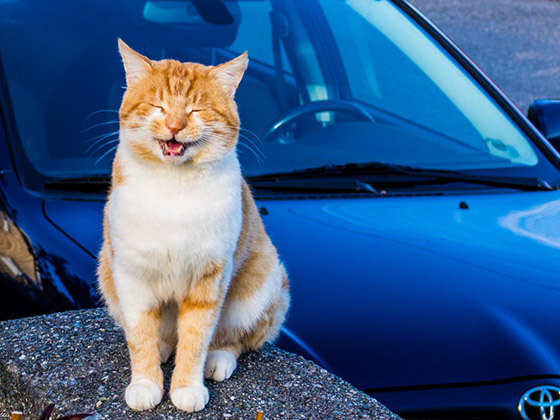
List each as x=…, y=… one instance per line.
x=250, y=317
x=168, y=331
x=268, y=325
x=142, y=316
x=146, y=384
x=197, y=317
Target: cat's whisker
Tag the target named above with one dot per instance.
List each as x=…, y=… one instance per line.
x=104, y=155
x=256, y=146
x=99, y=125
x=100, y=111
x=101, y=137
x=101, y=146
x=115, y=121
x=246, y=130
x=254, y=136
x=257, y=156
x=250, y=145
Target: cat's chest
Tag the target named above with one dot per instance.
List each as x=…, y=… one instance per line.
x=164, y=214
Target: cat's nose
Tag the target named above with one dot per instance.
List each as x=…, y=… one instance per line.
x=174, y=125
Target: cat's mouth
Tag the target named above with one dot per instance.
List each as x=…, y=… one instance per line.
x=173, y=147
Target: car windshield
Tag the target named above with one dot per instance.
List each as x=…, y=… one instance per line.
x=329, y=82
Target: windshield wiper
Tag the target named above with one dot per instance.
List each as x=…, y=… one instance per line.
x=97, y=184
x=91, y=184
x=351, y=177
x=333, y=186
x=379, y=174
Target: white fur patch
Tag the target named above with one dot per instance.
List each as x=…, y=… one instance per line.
x=242, y=314
x=167, y=224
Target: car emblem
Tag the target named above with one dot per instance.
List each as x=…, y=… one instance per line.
x=540, y=403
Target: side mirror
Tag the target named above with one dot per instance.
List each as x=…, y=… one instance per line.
x=545, y=116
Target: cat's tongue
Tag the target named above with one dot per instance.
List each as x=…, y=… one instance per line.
x=174, y=146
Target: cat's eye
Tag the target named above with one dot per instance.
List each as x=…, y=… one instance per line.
x=193, y=110
x=162, y=109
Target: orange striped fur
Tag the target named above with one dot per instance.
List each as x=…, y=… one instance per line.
x=186, y=264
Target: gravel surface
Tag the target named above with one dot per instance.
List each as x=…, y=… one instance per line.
x=515, y=42
x=79, y=361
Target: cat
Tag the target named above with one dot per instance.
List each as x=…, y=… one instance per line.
x=186, y=265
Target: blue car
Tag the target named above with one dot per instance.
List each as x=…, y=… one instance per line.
x=416, y=209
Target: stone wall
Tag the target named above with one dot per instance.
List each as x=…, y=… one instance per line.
x=79, y=361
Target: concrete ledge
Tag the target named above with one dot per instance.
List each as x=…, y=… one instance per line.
x=79, y=361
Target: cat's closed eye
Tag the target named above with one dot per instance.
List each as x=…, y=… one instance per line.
x=161, y=108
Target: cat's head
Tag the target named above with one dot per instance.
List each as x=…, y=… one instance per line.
x=177, y=113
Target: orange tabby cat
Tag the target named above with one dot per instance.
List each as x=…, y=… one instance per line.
x=186, y=264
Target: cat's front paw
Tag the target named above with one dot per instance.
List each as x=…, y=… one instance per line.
x=219, y=365
x=143, y=395
x=190, y=398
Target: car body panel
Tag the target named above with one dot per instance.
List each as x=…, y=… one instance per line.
x=64, y=273
x=459, y=283
x=490, y=400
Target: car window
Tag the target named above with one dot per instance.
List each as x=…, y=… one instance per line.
x=260, y=47
x=329, y=82
x=392, y=65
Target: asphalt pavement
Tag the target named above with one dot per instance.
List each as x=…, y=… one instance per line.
x=515, y=42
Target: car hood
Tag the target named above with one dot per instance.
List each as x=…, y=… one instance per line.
x=417, y=291
x=412, y=291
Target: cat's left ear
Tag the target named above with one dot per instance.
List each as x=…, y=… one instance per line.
x=136, y=65
x=229, y=74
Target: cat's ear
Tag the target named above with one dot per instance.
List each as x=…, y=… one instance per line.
x=136, y=65
x=229, y=74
